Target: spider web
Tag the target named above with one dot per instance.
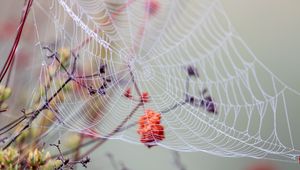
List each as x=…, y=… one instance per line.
x=254, y=117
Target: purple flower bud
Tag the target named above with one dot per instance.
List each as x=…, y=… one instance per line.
x=192, y=71
x=91, y=91
x=209, y=105
x=102, y=68
x=101, y=91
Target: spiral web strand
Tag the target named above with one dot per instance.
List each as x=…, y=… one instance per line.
x=253, y=118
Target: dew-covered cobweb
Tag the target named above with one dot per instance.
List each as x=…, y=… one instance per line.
x=254, y=116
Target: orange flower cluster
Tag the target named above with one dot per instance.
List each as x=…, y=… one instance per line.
x=150, y=128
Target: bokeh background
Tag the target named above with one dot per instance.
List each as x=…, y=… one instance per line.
x=270, y=28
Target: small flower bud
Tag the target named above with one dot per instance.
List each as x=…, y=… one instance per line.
x=46, y=157
x=5, y=93
x=64, y=55
x=145, y=97
x=127, y=93
x=10, y=155
x=4, y=106
x=192, y=71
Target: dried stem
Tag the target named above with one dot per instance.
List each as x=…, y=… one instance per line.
x=112, y=161
x=177, y=161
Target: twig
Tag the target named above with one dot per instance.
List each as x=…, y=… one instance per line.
x=55, y=56
x=67, y=162
x=2, y=110
x=2, y=140
x=12, y=123
x=174, y=107
x=177, y=161
x=123, y=167
x=112, y=161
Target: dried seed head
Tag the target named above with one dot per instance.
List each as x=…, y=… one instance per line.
x=91, y=91
x=209, y=105
x=102, y=68
x=101, y=90
x=192, y=71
